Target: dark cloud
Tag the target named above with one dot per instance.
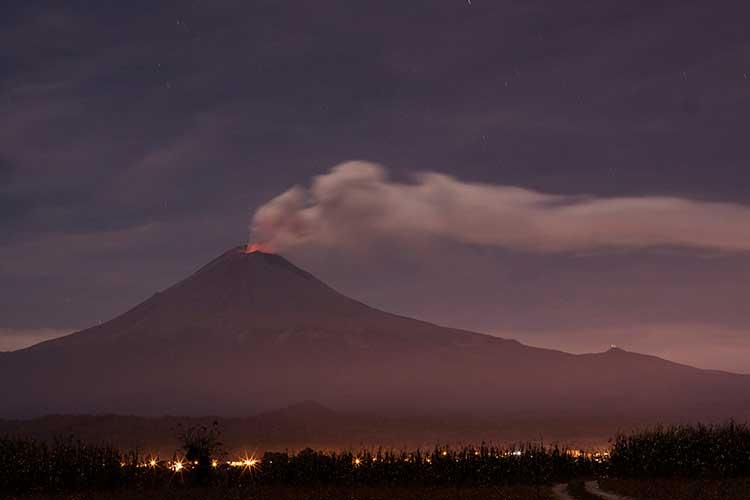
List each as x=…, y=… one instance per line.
x=140, y=136
x=7, y=170
x=13, y=208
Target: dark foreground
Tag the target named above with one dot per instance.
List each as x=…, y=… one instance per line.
x=313, y=493
x=680, y=489
x=664, y=489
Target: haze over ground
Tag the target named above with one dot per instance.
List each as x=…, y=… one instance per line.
x=141, y=140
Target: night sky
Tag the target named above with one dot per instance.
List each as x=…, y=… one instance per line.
x=139, y=138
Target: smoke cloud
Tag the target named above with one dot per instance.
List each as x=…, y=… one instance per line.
x=356, y=203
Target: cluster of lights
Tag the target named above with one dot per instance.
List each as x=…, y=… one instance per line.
x=357, y=461
x=180, y=465
x=598, y=456
x=250, y=462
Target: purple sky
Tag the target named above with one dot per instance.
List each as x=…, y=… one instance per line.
x=138, y=141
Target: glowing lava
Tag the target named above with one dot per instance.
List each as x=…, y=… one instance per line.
x=257, y=247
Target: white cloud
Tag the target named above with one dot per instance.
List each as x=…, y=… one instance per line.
x=356, y=203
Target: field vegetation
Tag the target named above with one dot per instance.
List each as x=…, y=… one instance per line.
x=688, y=451
x=72, y=466
x=690, y=462
x=682, y=462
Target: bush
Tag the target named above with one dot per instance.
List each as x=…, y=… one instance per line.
x=200, y=444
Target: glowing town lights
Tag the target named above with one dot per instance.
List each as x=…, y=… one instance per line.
x=247, y=462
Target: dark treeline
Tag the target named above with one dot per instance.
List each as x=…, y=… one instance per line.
x=686, y=451
x=70, y=465
x=485, y=465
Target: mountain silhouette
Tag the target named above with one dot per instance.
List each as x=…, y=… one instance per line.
x=251, y=332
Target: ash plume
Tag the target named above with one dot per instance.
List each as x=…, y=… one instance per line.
x=356, y=203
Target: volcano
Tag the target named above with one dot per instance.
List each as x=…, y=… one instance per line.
x=252, y=332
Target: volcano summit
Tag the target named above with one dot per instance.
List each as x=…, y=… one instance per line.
x=250, y=332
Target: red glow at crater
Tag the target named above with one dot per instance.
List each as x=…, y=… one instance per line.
x=257, y=247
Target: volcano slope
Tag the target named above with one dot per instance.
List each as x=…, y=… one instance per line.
x=250, y=332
